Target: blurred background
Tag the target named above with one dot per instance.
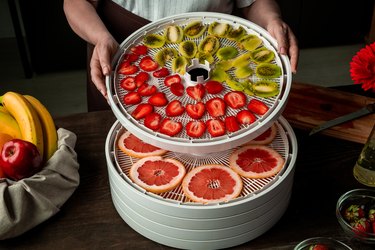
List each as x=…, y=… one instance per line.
x=40, y=55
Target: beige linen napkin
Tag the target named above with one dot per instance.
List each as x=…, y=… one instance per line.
x=30, y=201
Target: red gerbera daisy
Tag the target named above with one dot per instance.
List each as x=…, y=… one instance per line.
x=362, y=67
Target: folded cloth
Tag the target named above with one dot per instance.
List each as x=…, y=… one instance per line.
x=30, y=201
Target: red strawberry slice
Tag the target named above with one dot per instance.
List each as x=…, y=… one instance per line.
x=177, y=89
x=169, y=80
x=147, y=90
x=196, y=92
x=195, y=129
x=142, y=110
x=231, y=124
x=195, y=111
x=128, y=69
x=148, y=64
x=163, y=72
x=216, y=107
x=170, y=127
x=141, y=77
x=213, y=87
x=174, y=108
x=153, y=121
x=235, y=99
x=128, y=83
x=158, y=99
x=245, y=117
x=215, y=127
x=132, y=98
x=139, y=50
x=130, y=58
x=257, y=107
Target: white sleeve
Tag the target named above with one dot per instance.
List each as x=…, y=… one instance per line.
x=244, y=3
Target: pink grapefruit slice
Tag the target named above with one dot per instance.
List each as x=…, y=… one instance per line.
x=256, y=161
x=266, y=137
x=156, y=174
x=212, y=184
x=135, y=147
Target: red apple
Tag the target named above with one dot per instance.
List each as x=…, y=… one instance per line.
x=20, y=159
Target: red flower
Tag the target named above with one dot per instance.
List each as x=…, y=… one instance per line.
x=362, y=67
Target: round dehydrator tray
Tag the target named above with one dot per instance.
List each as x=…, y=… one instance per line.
x=173, y=220
x=182, y=142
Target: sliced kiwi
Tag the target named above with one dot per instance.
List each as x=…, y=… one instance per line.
x=267, y=70
x=242, y=60
x=219, y=75
x=243, y=72
x=179, y=65
x=248, y=88
x=188, y=48
x=218, y=29
x=154, y=41
x=235, y=85
x=224, y=65
x=236, y=34
x=210, y=44
x=265, y=88
x=262, y=55
x=250, y=42
x=164, y=55
x=173, y=34
x=194, y=29
x=226, y=53
x=202, y=57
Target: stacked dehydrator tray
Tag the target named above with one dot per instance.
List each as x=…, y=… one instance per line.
x=170, y=218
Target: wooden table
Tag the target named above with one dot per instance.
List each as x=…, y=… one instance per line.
x=88, y=220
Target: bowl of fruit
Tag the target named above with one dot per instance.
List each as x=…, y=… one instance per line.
x=321, y=243
x=355, y=211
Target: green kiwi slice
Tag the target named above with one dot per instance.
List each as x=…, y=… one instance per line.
x=194, y=29
x=243, y=72
x=202, y=57
x=242, y=60
x=154, y=41
x=219, y=75
x=179, y=65
x=265, y=88
x=188, y=48
x=165, y=55
x=173, y=34
x=236, y=34
x=250, y=42
x=268, y=70
x=210, y=44
x=218, y=29
x=224, y=65
x=226, y=53
x=262, y=55
x=235, y=85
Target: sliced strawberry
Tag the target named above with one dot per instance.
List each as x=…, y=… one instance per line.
x=169, y=80
x=177, y=89
x=153, y=121
x=130, y=58
x=213, y=87
x=147, y=90
x=163, y=72
x=195, y=111
x=128, y=69
x=216, y=107
x=257, y=107
x=174, y=108
x=170, y=127
x=132, y=98
x=158, y=99
x=195, y=129
x=141, y=77
x=231, y=124
x=196, y=92
x=139, y=50
x=245, y=117
x=235, y=99
x=128, y=83
x=142, y=110
x=215, y=127
x=148, y=64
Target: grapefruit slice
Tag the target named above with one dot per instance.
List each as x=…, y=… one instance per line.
x=212, y=184
x=156, y=174
x=266, y=137
x=256, y=161
x=133, y=146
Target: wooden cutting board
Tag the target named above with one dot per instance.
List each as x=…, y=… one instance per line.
x=310, y=105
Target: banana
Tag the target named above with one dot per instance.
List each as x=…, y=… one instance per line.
x=48, y=126
x=9, y=125
x=26, y=117
x=3, y=110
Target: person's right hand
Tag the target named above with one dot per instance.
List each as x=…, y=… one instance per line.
x=100, y=64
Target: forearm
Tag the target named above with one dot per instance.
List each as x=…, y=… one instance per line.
x=262, y=12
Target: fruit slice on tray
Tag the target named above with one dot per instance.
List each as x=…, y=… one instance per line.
x=256, y=161
x=266, y=137
x=156, y=174
x=212, y=184
x=133, y=146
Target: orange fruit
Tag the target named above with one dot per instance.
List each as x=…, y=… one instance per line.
x=156, y=174
x=133, y=146
x=256, y=161
x=266, y=137
x=212, y=184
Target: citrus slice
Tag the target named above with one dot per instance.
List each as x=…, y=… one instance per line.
x=156, y=174
x=133, y=146
x=212, y=184
x=266, y=137
x=256, y=161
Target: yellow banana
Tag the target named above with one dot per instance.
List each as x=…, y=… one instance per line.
x=3, y=110
x=26, y=117
x=48, y=126
x=9, y=125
